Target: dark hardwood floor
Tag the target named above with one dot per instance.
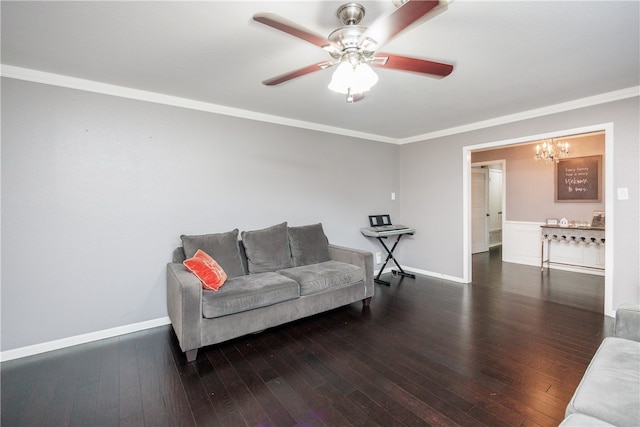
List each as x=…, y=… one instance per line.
x=506, y=350
x=577, y=290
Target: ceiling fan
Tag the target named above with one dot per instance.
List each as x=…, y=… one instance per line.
x=353, y=47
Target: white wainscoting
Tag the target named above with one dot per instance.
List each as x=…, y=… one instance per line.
x=521, y=243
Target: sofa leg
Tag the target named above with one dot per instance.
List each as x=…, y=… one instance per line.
x=191, y=355
x=366, y=302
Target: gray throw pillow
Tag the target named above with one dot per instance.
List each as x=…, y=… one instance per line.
x=223, y=247
x=267, y=249
x=309, y=245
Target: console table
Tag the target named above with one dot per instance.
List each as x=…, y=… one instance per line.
x=576, y=235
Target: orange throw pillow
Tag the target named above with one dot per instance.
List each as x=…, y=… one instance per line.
x=207, y=270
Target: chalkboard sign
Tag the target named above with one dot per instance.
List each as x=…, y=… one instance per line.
x=579, y=179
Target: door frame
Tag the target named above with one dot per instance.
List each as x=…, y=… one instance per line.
x=609, y=199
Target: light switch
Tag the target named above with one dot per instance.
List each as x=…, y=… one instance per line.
x=393, y=196
x=623, y=193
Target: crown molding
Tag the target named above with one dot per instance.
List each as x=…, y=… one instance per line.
x=603, y=98
x=36, y=76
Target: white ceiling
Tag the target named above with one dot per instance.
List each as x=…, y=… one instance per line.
x=510, y=57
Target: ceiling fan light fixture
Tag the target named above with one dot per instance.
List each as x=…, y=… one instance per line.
x=354, y=97
x=341, y=78
x=353, y=79
x=364, y=78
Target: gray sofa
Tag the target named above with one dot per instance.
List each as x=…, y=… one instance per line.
x=275, y=275
x=609, y=392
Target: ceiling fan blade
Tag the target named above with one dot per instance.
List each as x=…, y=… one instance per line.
x=415, y=65
x=387, y=27
x=297, y=73
x=290, y=27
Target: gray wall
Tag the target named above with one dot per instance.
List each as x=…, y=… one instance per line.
x=530, y=185
x=431, y=182
x=96, y=191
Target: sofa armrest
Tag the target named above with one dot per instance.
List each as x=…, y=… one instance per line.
x=360, y=258
x=184, y=303
x=628, y=322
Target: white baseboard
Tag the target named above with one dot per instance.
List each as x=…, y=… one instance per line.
x=434, y=274
x=386, y=270
x=81, y=339
x=424, y=273
x=574, y=269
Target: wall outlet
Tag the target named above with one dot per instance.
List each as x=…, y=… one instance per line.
x=378, y=257
x=623, y=193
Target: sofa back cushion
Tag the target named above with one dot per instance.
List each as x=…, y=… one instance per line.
x=267, y=249
x=223, y=247
x=178, y=255
x=309, y=245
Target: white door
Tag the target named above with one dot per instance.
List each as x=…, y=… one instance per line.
x=479, y=212
x=495, y=206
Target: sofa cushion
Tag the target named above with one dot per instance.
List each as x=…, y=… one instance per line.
x=609, y=388
x=245, y=293
x=320, y=277
x=309, y=245
x=222, y=246
x=211, y=275
x=267, y=249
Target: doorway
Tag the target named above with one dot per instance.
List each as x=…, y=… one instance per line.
x=607, y=128
x=487, y=201
x=479, y=209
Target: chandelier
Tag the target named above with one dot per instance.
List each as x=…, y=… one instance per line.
x=550, y=152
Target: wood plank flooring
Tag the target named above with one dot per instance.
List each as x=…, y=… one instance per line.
x=502, y=351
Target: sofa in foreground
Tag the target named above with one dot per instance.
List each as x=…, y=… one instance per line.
x=273, y=276
x=609, y=392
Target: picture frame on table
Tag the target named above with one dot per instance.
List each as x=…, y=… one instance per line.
x=552, y=221
x=598, y=219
